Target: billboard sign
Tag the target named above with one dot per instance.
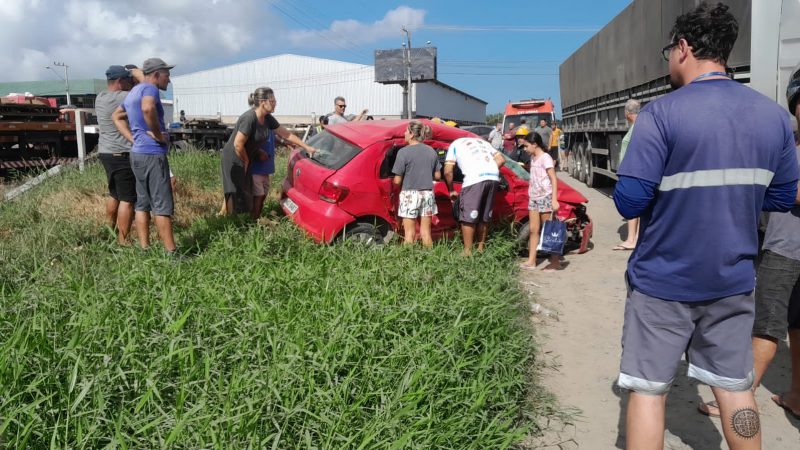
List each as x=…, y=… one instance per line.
x=390, y=65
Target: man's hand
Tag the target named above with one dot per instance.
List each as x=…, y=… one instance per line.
x=162, y=139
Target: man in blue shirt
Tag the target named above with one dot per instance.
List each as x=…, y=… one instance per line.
x=698, y=180
x=143, y=110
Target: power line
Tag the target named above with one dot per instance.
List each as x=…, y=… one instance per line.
x=502, y=74
x=510, y=29
x=358, y=48
x=318, y=33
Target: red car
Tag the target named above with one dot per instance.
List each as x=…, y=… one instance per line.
x=345, y=189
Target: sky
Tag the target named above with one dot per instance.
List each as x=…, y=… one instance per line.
x=494, y=51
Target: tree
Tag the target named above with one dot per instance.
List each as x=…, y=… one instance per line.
x=492, y=119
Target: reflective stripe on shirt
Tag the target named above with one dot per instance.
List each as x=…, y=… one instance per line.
x=719, y=177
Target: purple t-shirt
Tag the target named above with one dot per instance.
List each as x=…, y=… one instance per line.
x=713, y=148
x=142, y=143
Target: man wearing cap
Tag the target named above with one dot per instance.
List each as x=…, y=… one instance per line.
x=114, y=151
x=143, y=110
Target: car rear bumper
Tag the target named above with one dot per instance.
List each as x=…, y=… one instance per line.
x=321, y=220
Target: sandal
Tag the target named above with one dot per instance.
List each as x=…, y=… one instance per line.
x=705, y=408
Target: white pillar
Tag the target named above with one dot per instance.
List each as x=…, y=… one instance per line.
x=81, y=140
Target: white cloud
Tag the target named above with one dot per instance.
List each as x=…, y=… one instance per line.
x=349, y=32
x=90, y=35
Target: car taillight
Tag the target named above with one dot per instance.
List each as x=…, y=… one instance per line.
x=332, y=193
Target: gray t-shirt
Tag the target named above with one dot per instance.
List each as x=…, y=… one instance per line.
x=546, y=133
x=333, y=119
x=110, y=140
x=416, y=164
x=783, y=231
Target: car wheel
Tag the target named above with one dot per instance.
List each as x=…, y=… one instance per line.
x=523, y=235
x=363, y=233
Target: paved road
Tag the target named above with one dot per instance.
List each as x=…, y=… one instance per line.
x=582, y=349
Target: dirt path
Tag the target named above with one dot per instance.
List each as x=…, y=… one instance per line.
x=581, y=347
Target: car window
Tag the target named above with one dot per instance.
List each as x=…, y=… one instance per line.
x=388, y=162
x=518, y=170
x=332, y=152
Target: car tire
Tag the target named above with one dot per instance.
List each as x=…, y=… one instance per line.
x=363, y=233
x=522, y=238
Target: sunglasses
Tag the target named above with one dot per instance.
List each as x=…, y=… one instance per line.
x=666, y=50
x=341, y=106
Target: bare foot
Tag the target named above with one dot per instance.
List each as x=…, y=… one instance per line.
x=788, y=402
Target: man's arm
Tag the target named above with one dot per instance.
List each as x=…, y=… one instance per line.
x=448, y=177
x=398, y=180
x=361, y=116
x=632, y=196
x=150, y=113
x=120, y=119
x=499, y=159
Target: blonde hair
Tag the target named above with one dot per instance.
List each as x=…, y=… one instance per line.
x=419, y=131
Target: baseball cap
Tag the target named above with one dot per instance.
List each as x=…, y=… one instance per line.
x=117, y=72
x=152, y=64
x=793, y=89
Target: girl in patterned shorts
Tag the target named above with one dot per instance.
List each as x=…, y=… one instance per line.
x=416, y=167
x=542, y=197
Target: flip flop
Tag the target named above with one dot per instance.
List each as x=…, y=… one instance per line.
x=622, y=247
x=703, y=408
x=779, y=401
x=524, y=266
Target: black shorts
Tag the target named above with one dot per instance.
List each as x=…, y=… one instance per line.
x=777, y=296
x=121, y=181
x=476, y=202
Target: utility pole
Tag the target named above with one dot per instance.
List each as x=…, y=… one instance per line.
x=407, y=91
x=66, y=77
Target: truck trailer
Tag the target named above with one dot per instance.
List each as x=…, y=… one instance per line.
x=623, y=61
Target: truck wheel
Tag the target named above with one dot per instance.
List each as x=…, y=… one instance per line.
x=363, y=233
x=572, y=166
x=591, y=177
x=584, y=160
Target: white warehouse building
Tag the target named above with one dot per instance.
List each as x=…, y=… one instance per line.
x=306, y=87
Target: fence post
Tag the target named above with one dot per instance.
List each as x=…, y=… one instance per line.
x=81, y=139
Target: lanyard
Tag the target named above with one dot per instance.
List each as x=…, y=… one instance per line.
x=711, y=74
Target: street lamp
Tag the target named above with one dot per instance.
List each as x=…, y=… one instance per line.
x=66, y=76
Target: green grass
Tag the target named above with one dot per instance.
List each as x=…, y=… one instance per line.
x=261, y=339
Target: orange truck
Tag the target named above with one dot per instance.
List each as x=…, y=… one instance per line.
x=532, y=111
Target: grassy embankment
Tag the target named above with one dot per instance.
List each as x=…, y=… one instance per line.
x=260, y=339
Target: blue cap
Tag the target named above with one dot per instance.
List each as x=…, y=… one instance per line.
x=117, y=72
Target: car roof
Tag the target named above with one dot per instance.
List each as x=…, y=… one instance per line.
x=364, y=133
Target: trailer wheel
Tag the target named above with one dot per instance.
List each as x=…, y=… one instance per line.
x=591, y=177
x=584, y=160
x=571, y=164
